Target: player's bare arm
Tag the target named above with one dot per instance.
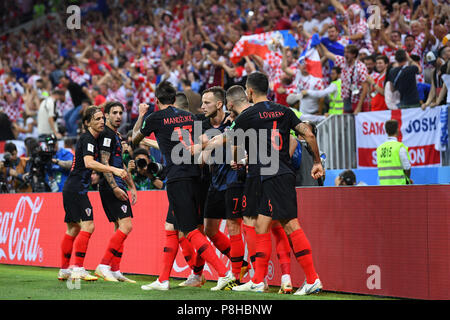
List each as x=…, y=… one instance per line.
x=131, y=186
x=119, y=193
x=305, y=132
x=137, y=135
x=91, y=164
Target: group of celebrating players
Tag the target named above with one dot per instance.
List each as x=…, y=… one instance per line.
x=201, y=193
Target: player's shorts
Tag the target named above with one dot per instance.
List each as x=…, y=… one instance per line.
x=77, y=207
x=251, y=197
x=183, y=196
x=170, y=218
x=279, y=197
x=114, y=208
x=224, y=204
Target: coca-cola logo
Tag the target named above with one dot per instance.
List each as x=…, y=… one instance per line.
x=18, y=235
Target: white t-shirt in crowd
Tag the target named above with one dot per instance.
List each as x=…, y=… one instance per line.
x=46, y=110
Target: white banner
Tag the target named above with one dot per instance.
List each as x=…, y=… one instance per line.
x=424, y=132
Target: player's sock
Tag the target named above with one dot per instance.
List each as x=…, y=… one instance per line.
x=115, y=261
x=204, y=249
x=250, y=239
x=114, y=245
x=66, y=250
x=169, y=255
x=237, y=254
x=222, y=242
x=302, y=252
x=188, y=252
x=283, y=249
x=263, y=251
x=80, y=246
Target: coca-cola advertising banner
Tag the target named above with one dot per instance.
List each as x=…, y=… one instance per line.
x=424, y=132
x=391, y=241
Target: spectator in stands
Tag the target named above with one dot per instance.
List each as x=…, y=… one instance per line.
x=78, y=94
x=47, y=114
x=377, y=84
x=403, y=79
x=354, y=78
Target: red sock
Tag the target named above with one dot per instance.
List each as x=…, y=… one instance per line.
x=302, y=252
x=169, y=254
x=263, y=252
x=115, y=261
x=66, y=250
x=114, y=245
x=237, y=254
x=204, y=249
x=188, y=252
x=80, y=245
x=283, y=249
x=250, y=239
x=222, y=242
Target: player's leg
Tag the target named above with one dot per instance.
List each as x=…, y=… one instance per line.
x=302, y=251
x=215, y=212
x=125, y=226
x=118, y=212
x=283, y=253
x=237, y=247
x=66, y=249
x=263, y=249
x=80, y=246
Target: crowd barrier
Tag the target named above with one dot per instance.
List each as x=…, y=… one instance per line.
x=387, y=241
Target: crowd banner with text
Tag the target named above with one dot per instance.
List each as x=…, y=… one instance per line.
x=424, y=132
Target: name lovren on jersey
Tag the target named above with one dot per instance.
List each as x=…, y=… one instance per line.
x=178, y=119
x=270, y=114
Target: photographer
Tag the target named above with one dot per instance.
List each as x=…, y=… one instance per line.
x=144, y=171
x=61, y=164
x=12, y=170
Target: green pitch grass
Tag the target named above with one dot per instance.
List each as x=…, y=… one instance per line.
x=35, y=283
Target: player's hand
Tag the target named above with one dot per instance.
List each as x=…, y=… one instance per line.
x=317, y=171
x=120, y=173
x=120, y=194
x=133, y=196
x=143, y=108
x=236, y=165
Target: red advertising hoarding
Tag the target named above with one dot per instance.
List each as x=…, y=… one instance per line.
x=389, y=241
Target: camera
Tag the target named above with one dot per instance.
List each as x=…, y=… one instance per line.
x=153, y=168
x=7, y=159
x=40, y=162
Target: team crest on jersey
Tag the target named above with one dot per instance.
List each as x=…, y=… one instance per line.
x=88, y=211
x=124, y=208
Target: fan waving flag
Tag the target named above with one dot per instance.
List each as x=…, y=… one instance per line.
x=311, y=57
x=262, y=44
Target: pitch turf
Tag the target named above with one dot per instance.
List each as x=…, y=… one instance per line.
x=35, y=283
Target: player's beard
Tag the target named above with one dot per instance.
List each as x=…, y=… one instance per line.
x=212, y=115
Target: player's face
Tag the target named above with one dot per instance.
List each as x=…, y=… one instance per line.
x=114, y=117
x=210, y=105
x=97, y=123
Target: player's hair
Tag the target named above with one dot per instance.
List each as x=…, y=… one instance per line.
x=165, y=93
x=89, y=114
x=384, y=58
x=258, y=81
x=353, y=49
x=391, y=127
x=181, y=101
x=109, y=105
x=218, y=92
x=236, y=94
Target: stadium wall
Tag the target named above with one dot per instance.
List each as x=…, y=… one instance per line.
x=388, y=241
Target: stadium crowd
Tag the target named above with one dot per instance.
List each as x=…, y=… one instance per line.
x=49, y=74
